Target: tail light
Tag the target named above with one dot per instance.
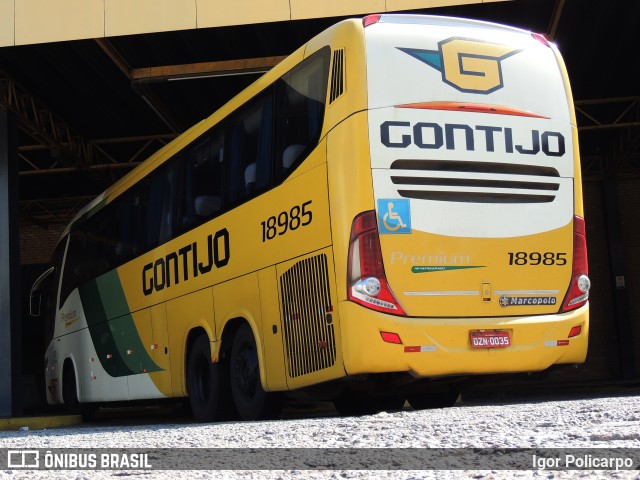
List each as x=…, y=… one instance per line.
x=541, y=38
x=366, y=282
x=578, y=292
x=371, y=19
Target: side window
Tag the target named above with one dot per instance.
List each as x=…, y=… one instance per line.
x=58, y=255
x=156, y=203
x=300, y=100
x=200, y=196
x=126, y=219
x=74, y=265
x=90, y=252
x=101, y=240
x=250, y=149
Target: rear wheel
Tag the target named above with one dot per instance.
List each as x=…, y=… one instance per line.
x=424, y=401
x=203, y=382
x=251, y=401
x=391, y=403
x=360, y=403
x=350, y=404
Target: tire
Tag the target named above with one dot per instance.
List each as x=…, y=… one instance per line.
x=70, y=395
x=424, y=401
x=352, y=404
x=391, y=403
x=251, y=401
x=69, y=389
x=203, y=382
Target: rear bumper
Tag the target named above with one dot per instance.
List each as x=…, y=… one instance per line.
x=441, y=346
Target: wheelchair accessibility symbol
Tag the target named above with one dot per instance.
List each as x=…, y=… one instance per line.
x=394, y=215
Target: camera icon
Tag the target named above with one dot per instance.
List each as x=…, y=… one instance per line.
x=23, y=459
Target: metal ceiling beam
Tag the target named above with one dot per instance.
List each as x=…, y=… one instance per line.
x=147, y=95
x=191, y=71
x=40, y=123
x=608, y=113
x=103, y=158
x=623, y=157
x=70, y=150
x=103, y=166
x=42, y=210
x=555, y=19
x=108, y=141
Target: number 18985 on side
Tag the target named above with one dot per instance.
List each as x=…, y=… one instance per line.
x=288, y=220
x=538, y=258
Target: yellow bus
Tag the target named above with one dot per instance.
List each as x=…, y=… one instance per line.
x=395, y=207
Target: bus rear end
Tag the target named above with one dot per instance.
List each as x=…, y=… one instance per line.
x=473, y=259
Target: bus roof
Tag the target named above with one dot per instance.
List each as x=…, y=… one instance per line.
x=444, y=21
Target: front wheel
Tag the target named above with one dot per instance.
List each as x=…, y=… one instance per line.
x=251, y=401
x=69, y=388
x=70, y=395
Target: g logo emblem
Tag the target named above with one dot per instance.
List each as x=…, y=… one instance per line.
x=467, y=65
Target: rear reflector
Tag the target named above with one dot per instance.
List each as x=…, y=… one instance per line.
x=391, y=337
x=575, y=331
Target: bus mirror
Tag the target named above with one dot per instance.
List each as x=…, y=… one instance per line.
x=35, y=297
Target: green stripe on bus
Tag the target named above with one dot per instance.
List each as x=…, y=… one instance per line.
x=117, y=341
x=438, y=268
x=103, y=340
x=113, y=298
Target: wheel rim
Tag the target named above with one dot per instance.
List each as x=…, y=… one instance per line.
x=246, y=371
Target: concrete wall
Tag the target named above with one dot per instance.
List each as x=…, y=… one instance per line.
x=25, y=22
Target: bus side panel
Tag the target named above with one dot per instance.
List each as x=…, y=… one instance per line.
x=160, y=349
x=350, y=186
x=240, y=298
x=124, y=340
x=184, y=314
x=349, y=37
x=146, y=382
x=94, y=381
x=272, y=330
x=309, y=322
x=278, y=224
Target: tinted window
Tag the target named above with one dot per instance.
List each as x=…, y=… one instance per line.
x=300, y=98
x=200, y=196
x=262, y=147
x=250, y=152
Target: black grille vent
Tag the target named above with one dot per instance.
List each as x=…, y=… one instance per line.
x=307, y=317
x=337, y=75
x=539, y=186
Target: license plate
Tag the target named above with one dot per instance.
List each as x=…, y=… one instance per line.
x=490, y=339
